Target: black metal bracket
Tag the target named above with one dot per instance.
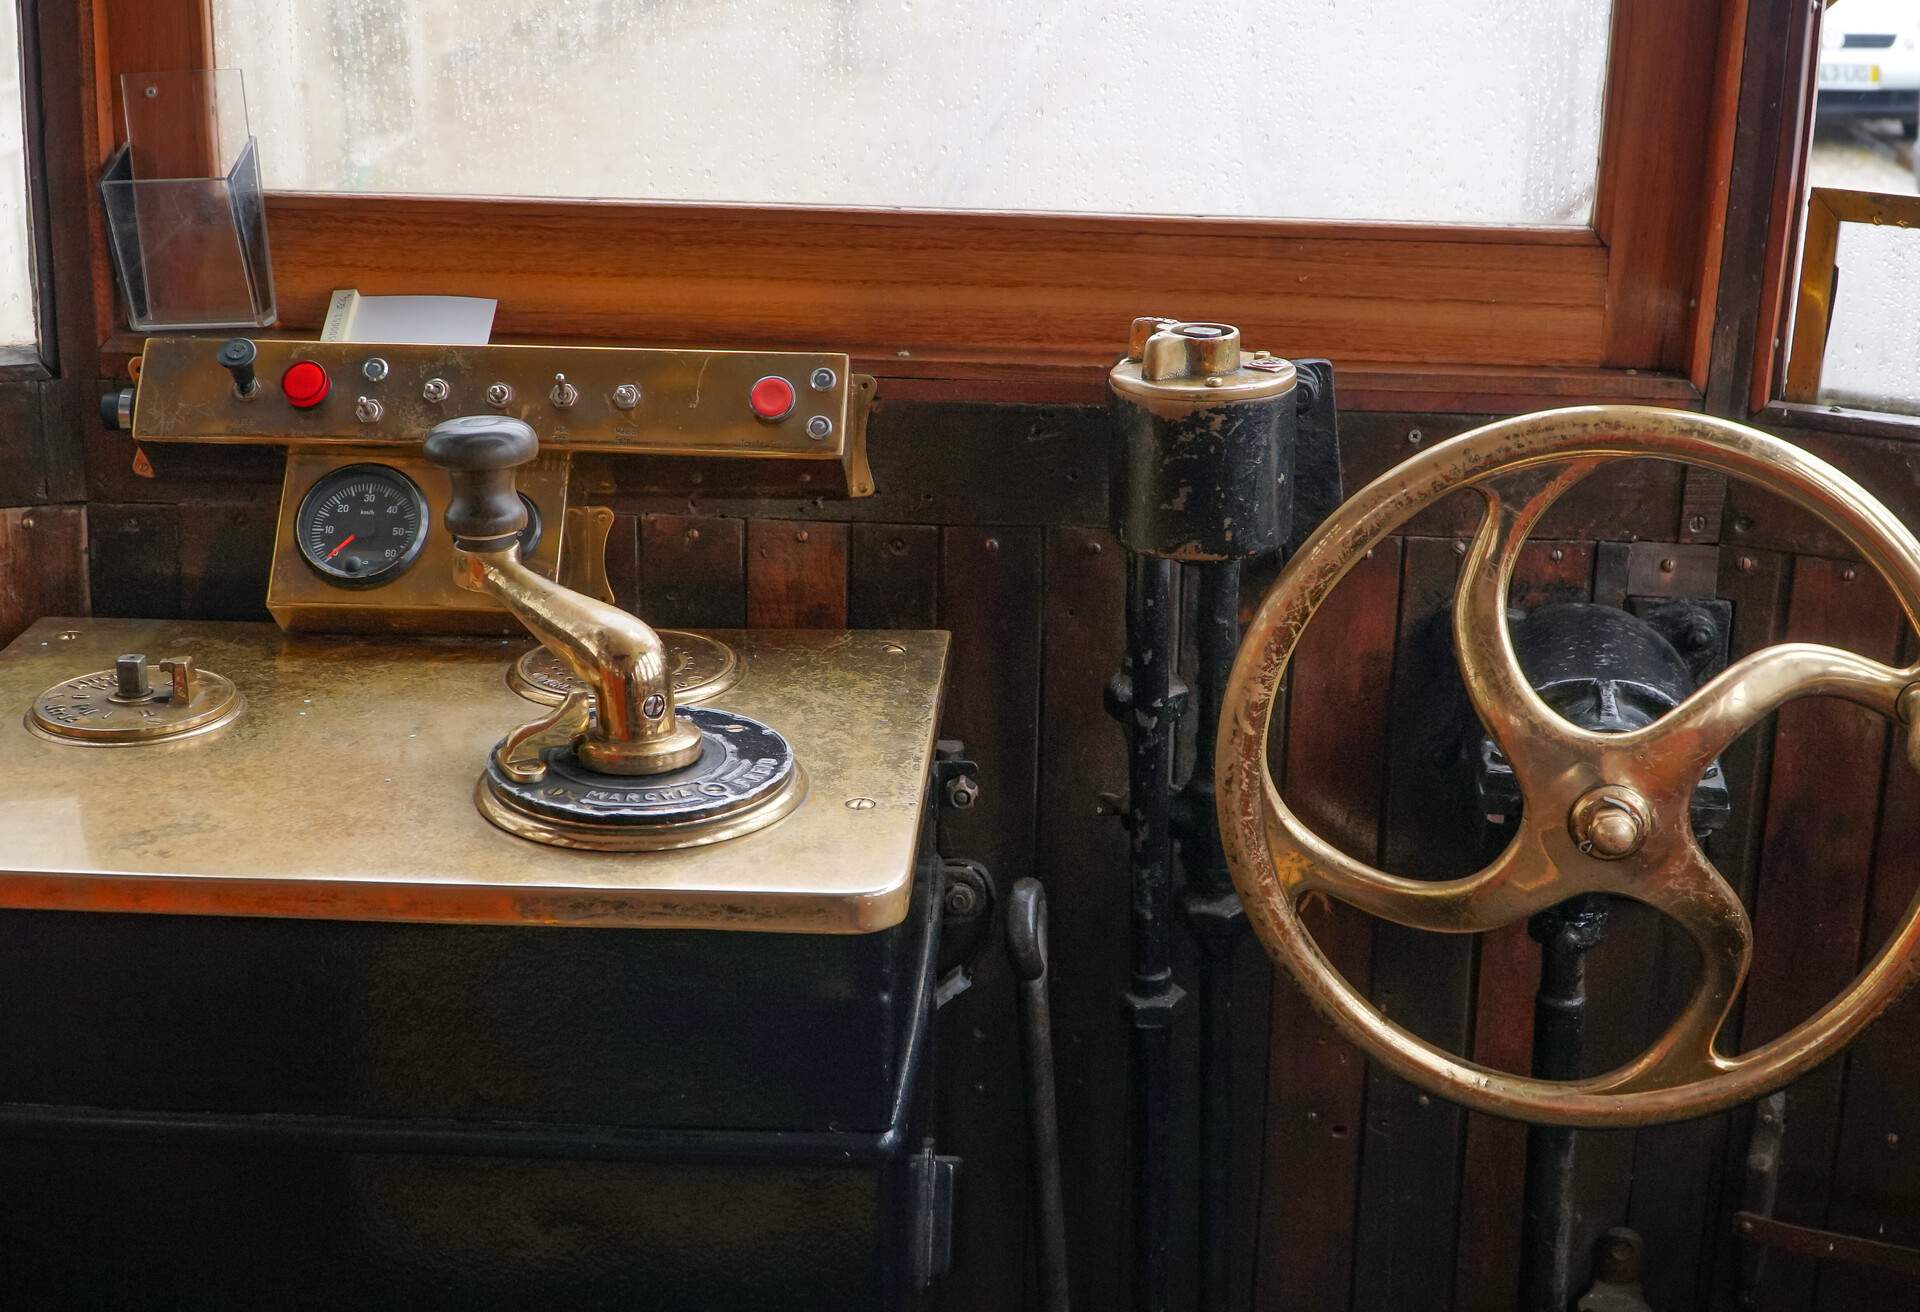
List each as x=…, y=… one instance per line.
x=1318, y=489
x=956, y=780
x=968, y=897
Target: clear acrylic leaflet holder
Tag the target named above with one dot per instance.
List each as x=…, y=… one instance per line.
x=185, y=213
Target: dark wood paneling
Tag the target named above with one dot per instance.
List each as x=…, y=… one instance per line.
x=932, y=464
x=1680, y=1170
x=1874, y=1172
x=894, y=580
x=23, y=470
x=1082, y=857
x=796, y=575
x=1336, y=761
x=43, y=565
x=994, y=578
x=135, y=559
x=1828, y=759
x=693, y=571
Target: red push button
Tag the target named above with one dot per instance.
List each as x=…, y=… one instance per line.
x=772, y=398
x=305, y=385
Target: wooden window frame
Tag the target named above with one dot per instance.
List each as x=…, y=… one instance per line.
x=1031, y=306
x=1755, y=352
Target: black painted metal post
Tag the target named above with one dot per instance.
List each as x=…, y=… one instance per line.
x=1217, y=919
x=1151, y=995
x=1565, y=934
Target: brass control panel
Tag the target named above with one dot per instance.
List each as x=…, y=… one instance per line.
x=358, y=546
x=624, y=400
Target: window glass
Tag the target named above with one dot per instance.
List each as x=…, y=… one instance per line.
x=1865, y=116
x=17, y=327
x=1338, y=109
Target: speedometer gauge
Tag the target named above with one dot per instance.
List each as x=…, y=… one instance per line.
x=361, y=525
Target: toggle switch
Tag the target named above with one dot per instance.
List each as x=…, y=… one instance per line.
x=236, y=357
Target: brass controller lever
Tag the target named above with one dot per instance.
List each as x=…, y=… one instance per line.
x=635, y=729
x=616, y=766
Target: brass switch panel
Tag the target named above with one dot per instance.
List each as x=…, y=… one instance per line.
x=802, y=406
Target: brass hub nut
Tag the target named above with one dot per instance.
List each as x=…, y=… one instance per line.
x=1610, y=822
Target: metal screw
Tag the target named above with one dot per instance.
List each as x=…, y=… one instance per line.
x=564, y=393
x=897, y=547
x=1459, y=548
x=367, y=410
x=800, y=535
x=498, y=394
x=1697, y=524
x=991, y=544
x=374, y=370
x=1668, y=565
x=654, y=706
x=692, y=536
x=1746, y=565
x=626, y=396
x=1557, y=554
x=861, y=804
x=961, y=899
x=1849, y=574
x=823, y=379
x=1413, y=437
x=435, y=390
x=819, y=428
x=1215, y=380
x=1093, y=548
x=962, y=792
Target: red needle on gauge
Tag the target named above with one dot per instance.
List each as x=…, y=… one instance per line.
x=343, y=545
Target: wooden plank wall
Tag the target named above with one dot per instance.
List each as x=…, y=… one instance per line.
x=1360, y=1192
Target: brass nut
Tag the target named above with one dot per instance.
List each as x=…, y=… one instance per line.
x=1610, y=822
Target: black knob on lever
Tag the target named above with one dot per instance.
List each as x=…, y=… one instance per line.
x=481, y=452
x=236, y=357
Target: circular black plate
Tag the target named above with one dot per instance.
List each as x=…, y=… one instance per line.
x=742, y=762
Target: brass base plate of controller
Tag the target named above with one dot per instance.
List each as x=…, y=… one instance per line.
x=701, y=668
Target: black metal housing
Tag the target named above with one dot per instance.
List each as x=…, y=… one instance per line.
x=251, y=1112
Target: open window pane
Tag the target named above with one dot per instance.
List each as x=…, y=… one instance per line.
x=1373, y=109
x=1867, y=109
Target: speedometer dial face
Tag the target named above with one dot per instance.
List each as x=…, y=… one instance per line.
x=362, y=525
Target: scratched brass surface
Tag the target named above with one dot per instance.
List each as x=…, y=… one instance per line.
x=1605, y=813
x=346, y=790
x=689, y=403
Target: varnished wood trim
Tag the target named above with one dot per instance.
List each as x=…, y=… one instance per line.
x=1655, y=175
x=967, y=285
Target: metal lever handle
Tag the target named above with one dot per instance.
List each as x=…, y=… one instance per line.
x=1027, y=944
x=635, y=729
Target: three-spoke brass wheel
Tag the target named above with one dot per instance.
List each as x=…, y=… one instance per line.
x=1604, y=813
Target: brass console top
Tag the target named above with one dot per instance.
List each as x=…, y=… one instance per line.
x=344, y=791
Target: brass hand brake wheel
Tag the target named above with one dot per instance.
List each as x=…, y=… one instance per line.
x=1603, y=812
